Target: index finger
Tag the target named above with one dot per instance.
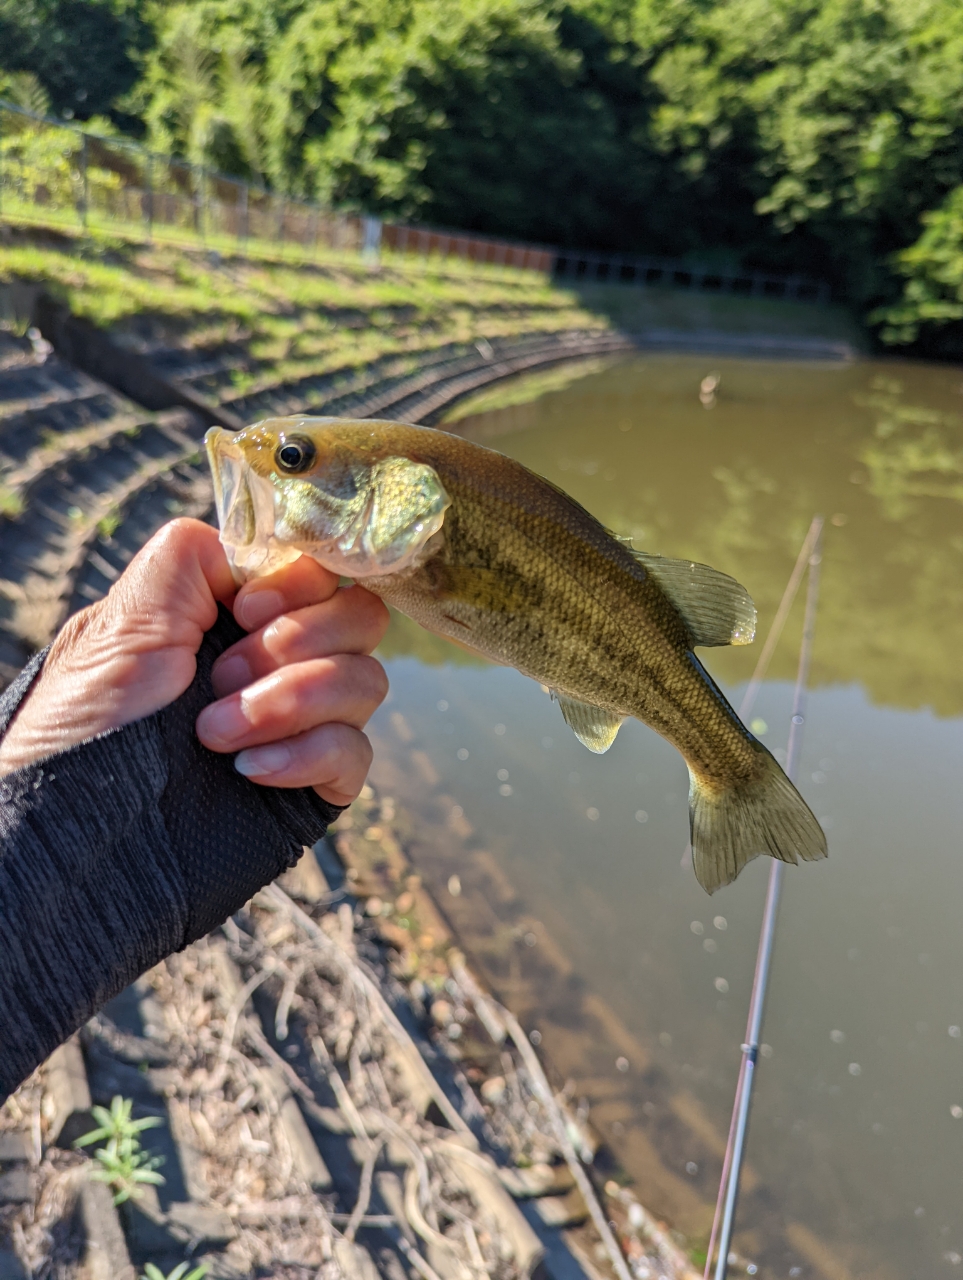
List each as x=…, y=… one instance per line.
x=296, y=585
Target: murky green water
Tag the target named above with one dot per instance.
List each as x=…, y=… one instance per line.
x=856, y=1146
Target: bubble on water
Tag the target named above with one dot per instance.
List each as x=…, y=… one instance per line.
x=953, y=1257
x=500, y=730
x=691, y=1168
x=721, y=923
x=641, y=815
x=710, y=945
x=621, y=1064
x=592, y=814
x=751, y=1269
x=795, y=1271
x=855, y=1069
x=442, y=704
x=798, y=719
x=759, y=727
x=837, y=1037
x=721, y=986
x=502, y=775
x=454, y=886
x=956, y=1111
x=766, y=1050
x=462, y=753
x=535, y=1037
x=697, y=927
x=665, y=1040
x=505, y=789
x=954, y=1032
x=530, y=939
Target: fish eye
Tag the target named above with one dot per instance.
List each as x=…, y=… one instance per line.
x=295, y=454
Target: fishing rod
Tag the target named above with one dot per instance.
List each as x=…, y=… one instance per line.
x=724, y=1218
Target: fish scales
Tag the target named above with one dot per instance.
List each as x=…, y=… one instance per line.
x=475, y=547
x=578, y=613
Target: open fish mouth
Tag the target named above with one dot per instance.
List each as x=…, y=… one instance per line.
x=245, y=510
x=227, y=472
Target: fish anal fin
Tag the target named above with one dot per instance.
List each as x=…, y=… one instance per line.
x=715, y=608
x=594, y=727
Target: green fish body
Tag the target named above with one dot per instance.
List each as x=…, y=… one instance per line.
x=475, y=547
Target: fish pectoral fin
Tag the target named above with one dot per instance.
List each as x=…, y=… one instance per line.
x=715, y=608
x=594, y=727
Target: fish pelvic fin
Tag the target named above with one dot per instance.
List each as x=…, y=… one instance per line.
x=715, y=608
x=594, y=727
x=732, y=826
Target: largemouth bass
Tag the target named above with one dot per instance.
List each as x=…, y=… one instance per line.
x=475, y=547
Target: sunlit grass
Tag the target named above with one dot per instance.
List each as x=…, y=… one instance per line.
x=293, y=320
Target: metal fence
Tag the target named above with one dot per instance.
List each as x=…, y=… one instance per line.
x=678, y=274
x=57, y=174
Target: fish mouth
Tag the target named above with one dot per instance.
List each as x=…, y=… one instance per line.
x=245, y=509
x=227, y=471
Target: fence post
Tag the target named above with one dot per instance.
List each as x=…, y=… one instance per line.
x=371, y=244
x=85, y=189
x=149, y=195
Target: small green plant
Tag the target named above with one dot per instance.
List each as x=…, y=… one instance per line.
x=11, y=502
x=107, y=525
x=179, y=1273
x=124, y=1165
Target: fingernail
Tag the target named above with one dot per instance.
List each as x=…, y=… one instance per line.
x=231, y=674
x=258, y=761
x=223, y=722
x=259, y=607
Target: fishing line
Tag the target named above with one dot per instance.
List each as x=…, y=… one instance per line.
x=724, y=1217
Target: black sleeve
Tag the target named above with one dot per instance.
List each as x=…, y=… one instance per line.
x=121, y=850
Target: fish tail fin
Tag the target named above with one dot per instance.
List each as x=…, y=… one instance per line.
x=765, y=814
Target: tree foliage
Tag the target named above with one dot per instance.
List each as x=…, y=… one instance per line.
x=83, y=52
x=808, y=135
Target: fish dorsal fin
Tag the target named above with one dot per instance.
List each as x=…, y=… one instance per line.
x=714, y=607
x=594, y=727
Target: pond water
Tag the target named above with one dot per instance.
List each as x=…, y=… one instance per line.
x=575, y=897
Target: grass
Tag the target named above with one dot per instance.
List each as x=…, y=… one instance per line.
x=636, y=309
x=291, y=317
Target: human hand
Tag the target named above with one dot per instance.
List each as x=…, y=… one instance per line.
x=293, y=696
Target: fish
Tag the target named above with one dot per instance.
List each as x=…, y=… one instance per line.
x=477, y=548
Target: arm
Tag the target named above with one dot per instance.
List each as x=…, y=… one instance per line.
x=122, y=837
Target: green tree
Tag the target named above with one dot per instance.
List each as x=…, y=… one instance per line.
x=83, y=52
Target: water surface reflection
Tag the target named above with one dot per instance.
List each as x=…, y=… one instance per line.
x=856, y=1145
